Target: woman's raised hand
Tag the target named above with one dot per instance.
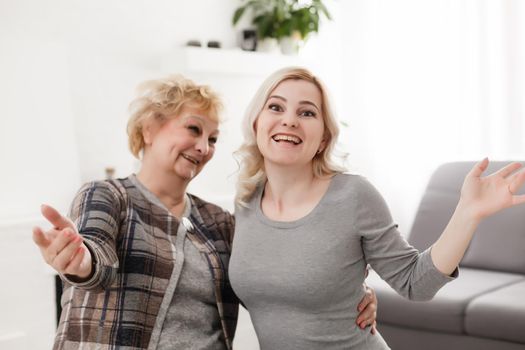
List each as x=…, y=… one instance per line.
x=484, y=196
x=62, y=246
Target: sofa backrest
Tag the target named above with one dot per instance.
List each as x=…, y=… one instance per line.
x=499, y=242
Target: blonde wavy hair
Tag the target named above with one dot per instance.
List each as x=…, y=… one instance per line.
x=250, y=159
x=166, y=98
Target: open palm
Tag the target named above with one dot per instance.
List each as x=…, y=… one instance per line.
x=62, y=246
x=484, y=196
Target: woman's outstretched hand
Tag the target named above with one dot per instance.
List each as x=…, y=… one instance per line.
x=62, y=246
x=484, y=196
x=480, y=198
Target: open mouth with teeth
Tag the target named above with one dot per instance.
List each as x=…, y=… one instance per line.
x=287, y=138
x=190, y=159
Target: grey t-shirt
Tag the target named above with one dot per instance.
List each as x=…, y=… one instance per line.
x=302, y=280
x=188, y=317
x=192, y=320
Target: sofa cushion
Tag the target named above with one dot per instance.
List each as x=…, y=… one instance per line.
x=499, y=240
x=499, y=243
x=446, y=311
x=499, y=314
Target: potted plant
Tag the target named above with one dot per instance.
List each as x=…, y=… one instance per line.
x=289, y=21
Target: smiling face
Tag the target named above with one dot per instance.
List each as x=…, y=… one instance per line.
x=290, y=128
x=181, y=145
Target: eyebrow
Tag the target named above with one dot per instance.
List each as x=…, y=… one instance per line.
x=303, y=102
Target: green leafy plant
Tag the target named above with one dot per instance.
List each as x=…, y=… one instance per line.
x=282, y=18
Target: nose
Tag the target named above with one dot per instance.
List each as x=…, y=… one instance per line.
x=203, y=146
x=289, y=119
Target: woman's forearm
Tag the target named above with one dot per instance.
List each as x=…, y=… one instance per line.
x=450, y=247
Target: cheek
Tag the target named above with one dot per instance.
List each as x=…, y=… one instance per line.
x=210, y=155
x=263, y=123
x=316, y=132
x=261, y=129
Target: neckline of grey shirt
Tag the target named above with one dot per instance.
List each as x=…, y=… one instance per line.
x=294, y=223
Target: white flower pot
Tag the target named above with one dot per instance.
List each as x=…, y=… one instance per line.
x=268, y=45
x=289, y=45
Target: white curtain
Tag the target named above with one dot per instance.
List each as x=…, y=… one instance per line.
x=429, y=81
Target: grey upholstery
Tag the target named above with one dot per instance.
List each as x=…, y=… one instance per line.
x=447, y=309
x=402, y=338
x=499, y=314
x=499, y=243
x=485, y=307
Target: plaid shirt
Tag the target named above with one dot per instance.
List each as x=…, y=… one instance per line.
x=127, y=235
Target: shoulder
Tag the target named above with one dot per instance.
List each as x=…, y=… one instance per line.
x=106, y=195
x=116, y=188
x=356, y=186
x=249, y=206
x=103, y=197
x=211, y=213
x=358, y=194
x=366, y=204
x=214, y=218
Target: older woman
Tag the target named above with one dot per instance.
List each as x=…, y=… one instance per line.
x=144, y=263
x=306, y=231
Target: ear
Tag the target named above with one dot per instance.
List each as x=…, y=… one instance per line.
x=323, y=144
x=149, y=129
x=146, y=133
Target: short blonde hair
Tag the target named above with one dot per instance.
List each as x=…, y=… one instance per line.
x=164, y=98
x=251, y=161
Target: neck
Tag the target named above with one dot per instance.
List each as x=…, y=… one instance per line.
x=287, y=184
x=291, y=193
x=169, y=188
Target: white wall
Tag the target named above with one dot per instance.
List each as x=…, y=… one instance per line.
x=36, y=127
x=69, y=70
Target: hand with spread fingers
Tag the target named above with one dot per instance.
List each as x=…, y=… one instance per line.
x=62, y=246
x=484, y=196
x=368, y=310
x=480, y=198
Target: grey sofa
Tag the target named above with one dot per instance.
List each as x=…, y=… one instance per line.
x=485, y=307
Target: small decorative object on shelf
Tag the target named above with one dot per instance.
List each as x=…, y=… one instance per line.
x=288, y=21
x=110, y=172
x=194, y=43
x=249, y=40
x=214, y=44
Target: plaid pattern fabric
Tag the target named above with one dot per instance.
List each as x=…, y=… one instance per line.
x=128, y=236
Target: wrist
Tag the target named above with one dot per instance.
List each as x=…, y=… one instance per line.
x=84, y=275
x=466, y=213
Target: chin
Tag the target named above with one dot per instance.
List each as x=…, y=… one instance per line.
x=286, y=162
x=187, y=174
